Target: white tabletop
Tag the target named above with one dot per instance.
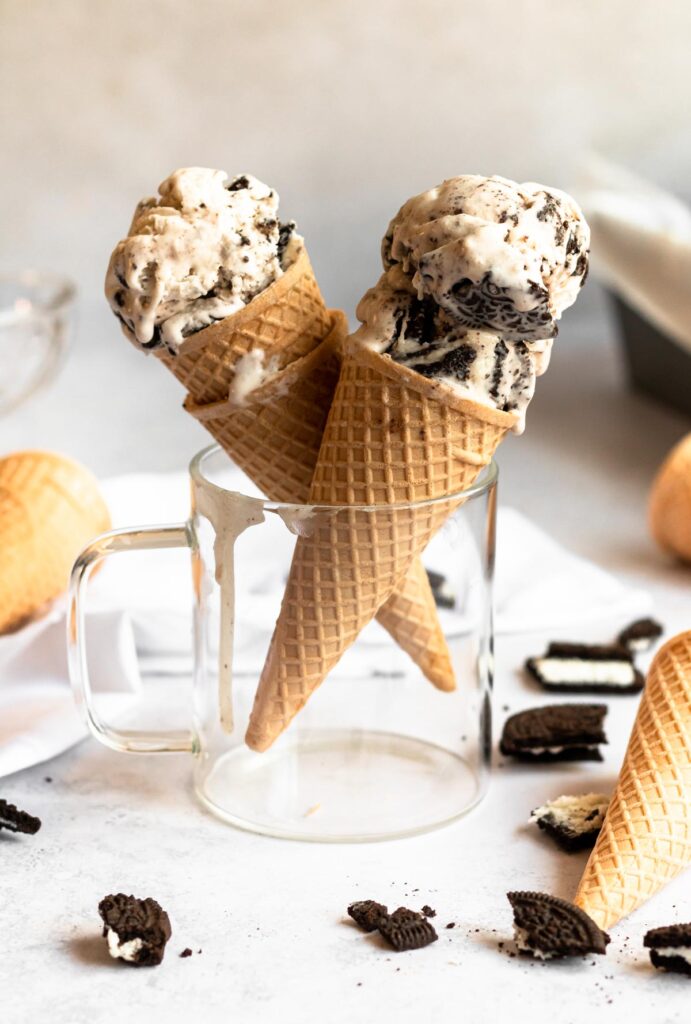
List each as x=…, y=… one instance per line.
x=269, y=916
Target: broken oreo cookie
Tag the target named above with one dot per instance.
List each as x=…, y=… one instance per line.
x=137, y=930
x=367, y=914
x=574, y=822
x=548, y=928
x=406, y=929
x=640, y=635
x=557, y=732
x=586, y=668
x=670, y=948
x=444, y=596
x=14, y=820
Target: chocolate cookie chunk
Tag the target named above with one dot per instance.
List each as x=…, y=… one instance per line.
x=670, y=948
x=406, y=929
x=574, y=822
x=586, y=668
x=367, y=914
x=640, y=635
x=557, y=732
x=444, y=596
x=547, y=927
x=14, y=820
x=137, y=930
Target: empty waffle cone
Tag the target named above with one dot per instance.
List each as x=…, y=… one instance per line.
x=275, y=438
x=646, y=836
x=392, y=437
x=50, y=507
x=670, y=502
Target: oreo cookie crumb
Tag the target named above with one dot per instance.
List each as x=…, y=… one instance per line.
x=237, y=184
x=549, y=928
x=451, y=924
x=406, y=929
x=185, y=953
x=285, y=233
x=367, y=914
x=137, y=930
x=427, y=911
x=14, y=820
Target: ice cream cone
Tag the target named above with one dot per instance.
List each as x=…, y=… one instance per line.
x=285, y=321
x=646, y=837
x=670, y=502
x=50, y=507
x=275, y=438
x=393, y=436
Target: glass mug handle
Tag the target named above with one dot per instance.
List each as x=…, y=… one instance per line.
x=141, y=538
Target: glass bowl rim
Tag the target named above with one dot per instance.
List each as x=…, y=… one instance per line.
x=62, y=293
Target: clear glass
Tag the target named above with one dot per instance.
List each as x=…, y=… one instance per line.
x=36, y=311
x=377, y=751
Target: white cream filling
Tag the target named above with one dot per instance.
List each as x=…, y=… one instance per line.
x=581, y=670
x=640, y=643
x=522, y=941
x=558, y=750
x=125, y=950
x=683, y=952
x=574, y=811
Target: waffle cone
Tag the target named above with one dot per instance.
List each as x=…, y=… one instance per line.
x=286, y=321
x=50, y=507
x=275, y=439
x=670, y=502
x=646, y=837
x=392, y=437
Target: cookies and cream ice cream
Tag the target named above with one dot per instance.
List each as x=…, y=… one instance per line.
x=421, y=335
x=198, y=252
x=496, y=255
x=476, y=273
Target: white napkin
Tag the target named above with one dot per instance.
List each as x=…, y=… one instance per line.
x=641, y=244
x=38, y=715
x=145, y=599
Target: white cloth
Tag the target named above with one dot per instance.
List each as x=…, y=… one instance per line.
x=641, y=244
x=140, y=608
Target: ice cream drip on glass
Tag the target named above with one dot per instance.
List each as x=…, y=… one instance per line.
x=195, y=254
x=476, y=274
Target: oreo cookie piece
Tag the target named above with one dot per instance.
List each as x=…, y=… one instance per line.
x=444, y=596
x=640, y=635
x=406, y=929
x=137, y=930
x=574, y=822
x=586, y=668
x=14, y=820
x=557, y=732
x=548, y=928
x=367, y=914
x=670, y=948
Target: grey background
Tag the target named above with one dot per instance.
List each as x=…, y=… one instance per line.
x=347, y=108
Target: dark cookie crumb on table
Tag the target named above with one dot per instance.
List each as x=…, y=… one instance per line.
x=14, y=820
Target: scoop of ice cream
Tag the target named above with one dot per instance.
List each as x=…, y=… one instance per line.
x=479, y=365
x=498, y=256
x=197, y=253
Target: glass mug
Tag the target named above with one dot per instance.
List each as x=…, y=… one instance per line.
x=36, y=311
x=376, y=752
